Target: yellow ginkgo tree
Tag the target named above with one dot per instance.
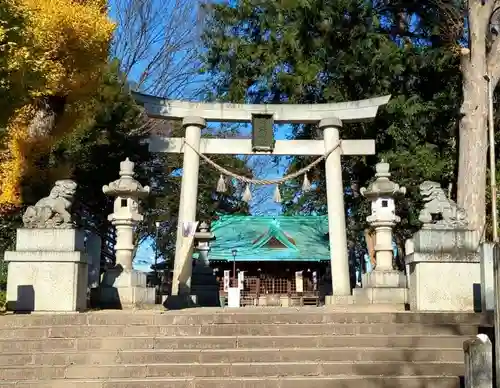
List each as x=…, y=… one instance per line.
x=56, y=61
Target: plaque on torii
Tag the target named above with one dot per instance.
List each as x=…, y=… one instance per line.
x=262, y=132
x=329, y=118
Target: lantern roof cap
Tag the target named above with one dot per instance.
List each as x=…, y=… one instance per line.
x=126, y=185
x=382, y=186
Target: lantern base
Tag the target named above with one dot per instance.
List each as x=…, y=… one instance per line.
x=384, y=279
x=125, y=288
x=204, y=286
x=381, y=295
x=382, y=287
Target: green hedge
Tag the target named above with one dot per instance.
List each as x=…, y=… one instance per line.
x=3, y=300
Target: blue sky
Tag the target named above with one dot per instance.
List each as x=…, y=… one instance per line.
x=145, y=254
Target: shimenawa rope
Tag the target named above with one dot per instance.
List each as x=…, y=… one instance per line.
x=263, y=182
x=247, y=194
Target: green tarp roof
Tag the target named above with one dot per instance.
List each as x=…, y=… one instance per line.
x=267, y=238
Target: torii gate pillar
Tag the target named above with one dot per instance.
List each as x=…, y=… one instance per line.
x=189, y=197
x=336, y=211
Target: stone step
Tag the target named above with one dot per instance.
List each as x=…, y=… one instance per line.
x=228, y=342
x=244, y=348
x=155, y=356
x=288, y=369
x=235, y=330
x=242, y=316
x=286, y=382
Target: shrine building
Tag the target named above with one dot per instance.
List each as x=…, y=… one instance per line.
x=275, y=259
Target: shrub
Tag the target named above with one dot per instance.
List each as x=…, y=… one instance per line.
x=3, y=301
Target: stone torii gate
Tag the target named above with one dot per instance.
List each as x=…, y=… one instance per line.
x=329, y=118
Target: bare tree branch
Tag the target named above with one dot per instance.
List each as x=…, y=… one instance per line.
x=157, y=43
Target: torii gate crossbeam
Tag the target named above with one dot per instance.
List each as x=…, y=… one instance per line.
x=329, y=117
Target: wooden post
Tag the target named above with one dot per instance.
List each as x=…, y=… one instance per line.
x=478, y=362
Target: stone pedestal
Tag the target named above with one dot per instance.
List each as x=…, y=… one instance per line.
x=204, y=286
x=444, y=271
x=121, y=288
x=48, y=271
x=382, y=287
x=384, y=279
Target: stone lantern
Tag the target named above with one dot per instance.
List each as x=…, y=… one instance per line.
x=129, y=284
x=204, y=285
x=383, y=284
x=203, y=238
x=125, y=211
x=381, y=193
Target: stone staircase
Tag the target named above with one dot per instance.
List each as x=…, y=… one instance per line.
x=244, y=348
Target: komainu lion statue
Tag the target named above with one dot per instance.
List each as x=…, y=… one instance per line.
x=437, y=204
x=52, y=211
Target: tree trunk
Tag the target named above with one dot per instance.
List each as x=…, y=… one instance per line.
x=47, y=110
x=473, y=144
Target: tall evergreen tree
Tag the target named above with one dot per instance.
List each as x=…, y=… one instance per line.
x=316, y=51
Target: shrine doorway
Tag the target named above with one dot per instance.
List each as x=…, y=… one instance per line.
x=279, y=284
x=274, y=260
